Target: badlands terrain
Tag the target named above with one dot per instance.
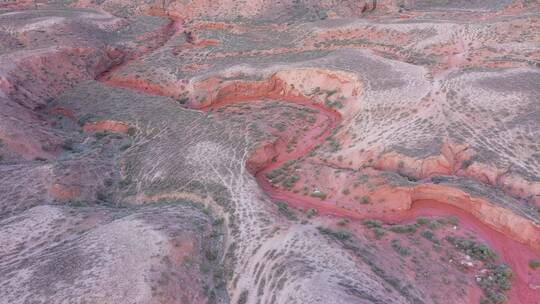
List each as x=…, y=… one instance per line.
x=262, y=151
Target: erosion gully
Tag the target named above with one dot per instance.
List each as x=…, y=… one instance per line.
x=526, y=282
x=511, y=252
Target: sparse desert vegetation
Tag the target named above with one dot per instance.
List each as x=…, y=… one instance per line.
x=267, y=151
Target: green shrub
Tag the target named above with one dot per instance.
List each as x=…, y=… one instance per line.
x=86, y=118
x=100, y=135
x=372, y=223
x=243, y=297
x=211, y=255
x=289, y=181
x=279, y=126
x=502, y=276
x=533, y=264
x=274, y=173
x=183, y=100
x=434, y=225
x=311, y=213
x=68, y=145
x=400, y=249
x=131, y=131
x=284, y=209
x=102, y=196
x=466, y=164
x=124, y=147
x=428, y=235
x=474, y=249
x=334, y=146
x=379, y=232
x=450, y=220
x=281, y=175
x=343, y=222
x=342, y=235
x=363, y=200
x=79, y=203
x=124, y=182
x=422, y=221
x=495, y=282
x=403, y=228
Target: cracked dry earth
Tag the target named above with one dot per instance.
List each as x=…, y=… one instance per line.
x=300, y=151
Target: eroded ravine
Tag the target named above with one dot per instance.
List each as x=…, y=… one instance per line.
x=526, y=287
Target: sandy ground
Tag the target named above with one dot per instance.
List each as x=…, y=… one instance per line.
x=300, y=152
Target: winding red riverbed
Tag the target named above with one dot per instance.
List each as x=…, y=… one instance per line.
x=526, y=282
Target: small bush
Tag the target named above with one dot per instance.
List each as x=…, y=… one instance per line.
x=502, y=275
x=124, y=147
x=466, y=164
x=124, y=182
x=372, y=223
x=495, y=282
x=281, y=176
x=108, y=182
x=342, y=235
x=102, y=196
x=334, y=145
x=427, y=234
x=279, y=126
x=474, y=249
x=379, y=232
x=452, y=220
x=131, y=131
x=533, y=264
x=79, y=203
x=434, y=225
x=100, y=135
x=68, y=145
x=211, y=255
x=365, y=200
x=403, y=228
x=284, y=209
x=422, y=221
x=218, y=222
x=343, y=222
x=400, y=249
x=183, y=100
x=274, y=174
x=449, y=220
x=85, y=118
x=289, y=181
x=243, y=297
x=311, y=213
